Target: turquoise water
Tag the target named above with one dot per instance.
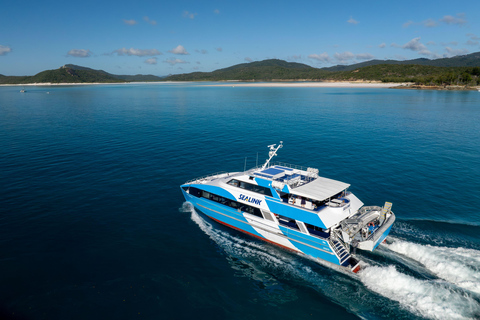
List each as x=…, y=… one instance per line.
x=93, y=223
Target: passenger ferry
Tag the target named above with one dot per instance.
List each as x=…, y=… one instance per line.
x=295, y=208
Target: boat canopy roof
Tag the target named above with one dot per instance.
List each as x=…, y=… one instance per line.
x=320, y=189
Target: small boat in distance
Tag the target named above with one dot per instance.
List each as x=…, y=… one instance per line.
x=293, y=207
x=23, y=90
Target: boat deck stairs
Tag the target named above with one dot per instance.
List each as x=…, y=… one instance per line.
x=340, y=251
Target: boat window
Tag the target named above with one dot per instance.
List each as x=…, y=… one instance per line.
x=317, y=231
x=287, y=222
x=227, y=202
x=195, y=192
x=251, y=187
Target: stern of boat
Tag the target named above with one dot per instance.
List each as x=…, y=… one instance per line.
x=366, y=229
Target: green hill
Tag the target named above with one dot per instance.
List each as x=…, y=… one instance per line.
x=129, y=78
x=462, y=70
x=265, y=70
x=75, y=74
x=469, y=60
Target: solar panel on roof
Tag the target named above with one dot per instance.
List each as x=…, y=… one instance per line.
x=272, y=171
x=284, y=168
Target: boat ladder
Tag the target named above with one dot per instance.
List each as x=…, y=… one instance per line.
x=387, y=207
x=340, y=251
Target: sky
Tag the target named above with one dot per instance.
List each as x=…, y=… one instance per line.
x=171, y=37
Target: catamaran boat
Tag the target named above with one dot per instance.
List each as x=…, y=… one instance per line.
x=295, y=208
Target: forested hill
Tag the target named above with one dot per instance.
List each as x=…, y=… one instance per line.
x=469, y=60
x=75, y=74
x=462, y=70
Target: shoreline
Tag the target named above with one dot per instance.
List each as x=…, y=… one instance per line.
x=273, y=84
x=304, y=84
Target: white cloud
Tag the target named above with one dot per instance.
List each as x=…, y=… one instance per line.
x=382, y=45
x=408, y=24
x=129, y=22
x=474, y=39
x=151, y=61
x=323, y=57
x=189, y=15
x=400, y=57
x=216, y=11
x=219, y=49
x=352, y=21
x=248, y=59
x=137, y=52
x=174, y=61
x=179, y=50
x=430, y=23
x=473, y=36
x=4, y=50
x=454, y=52
x=203, y=51
x=79, y=53
x=364, y=56
x=296, y=57
x=445, y=44
x=416, y=45
x=458, y=20
x=148, y=20
x=344, y=56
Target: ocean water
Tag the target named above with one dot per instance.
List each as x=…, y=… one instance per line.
x=93, y=223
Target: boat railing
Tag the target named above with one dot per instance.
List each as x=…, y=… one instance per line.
x=364, y=209
x=282, y=164
x=308, y=174
x=340, y=248
x=210, y=177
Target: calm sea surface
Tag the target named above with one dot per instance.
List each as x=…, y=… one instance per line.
x=93, y=224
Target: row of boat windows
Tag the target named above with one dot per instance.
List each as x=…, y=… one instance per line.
x=285, y=221
x=250, y=187
x=313, y=230
x=227, y=202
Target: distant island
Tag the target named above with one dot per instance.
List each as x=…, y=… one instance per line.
x=71, y=73
x=460, y=72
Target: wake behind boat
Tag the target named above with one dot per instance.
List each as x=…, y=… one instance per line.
x=293, y=207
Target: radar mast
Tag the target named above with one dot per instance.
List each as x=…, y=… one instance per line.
x=272, y=153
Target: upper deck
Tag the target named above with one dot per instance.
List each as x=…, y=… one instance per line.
x=300, y=181
x=287, y=178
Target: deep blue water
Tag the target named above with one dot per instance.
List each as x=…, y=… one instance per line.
x=93, y=223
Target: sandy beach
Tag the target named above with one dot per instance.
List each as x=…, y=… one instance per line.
x=349, y=84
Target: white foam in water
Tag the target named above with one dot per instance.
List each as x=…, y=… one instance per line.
x=231, y=244
x=430, y=299
x=459, y=266
x=427, y=298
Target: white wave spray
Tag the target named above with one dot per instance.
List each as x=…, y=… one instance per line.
x=426, y=298
x=459, y=266
x=430, y=299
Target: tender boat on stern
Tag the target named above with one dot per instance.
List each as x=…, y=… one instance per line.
x=295, y=208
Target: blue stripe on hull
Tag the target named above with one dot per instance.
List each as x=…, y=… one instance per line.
x=294, y=213
x=311, y=246
x=307, y=244
x=382, y=237
x=225, y=215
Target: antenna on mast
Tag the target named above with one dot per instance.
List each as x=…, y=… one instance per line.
x=272, y=153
